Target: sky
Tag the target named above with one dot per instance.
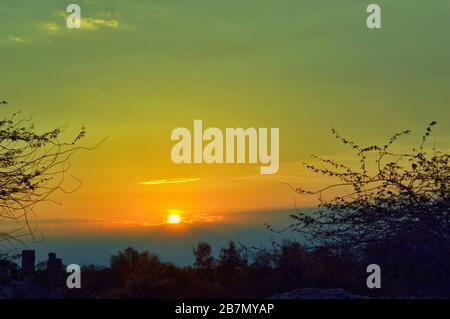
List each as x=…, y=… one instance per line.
x=136, y=70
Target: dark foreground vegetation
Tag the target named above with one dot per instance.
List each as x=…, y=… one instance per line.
x=240, y=273
x=243, y=273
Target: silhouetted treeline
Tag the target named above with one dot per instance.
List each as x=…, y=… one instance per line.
x=239, y=272
x=250, y=273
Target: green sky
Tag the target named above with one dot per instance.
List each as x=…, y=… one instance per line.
x=143, y=68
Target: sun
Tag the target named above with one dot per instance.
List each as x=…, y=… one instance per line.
x=173, y=219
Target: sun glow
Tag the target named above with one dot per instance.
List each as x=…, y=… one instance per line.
x=173, y=219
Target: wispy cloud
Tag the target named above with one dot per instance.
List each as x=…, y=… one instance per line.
x=30, y=28
x=66, y=226
x=50, y=27
x=93, y=23
x=16, y=39
x=170, y=181
x=204, y=218
x=100, y=20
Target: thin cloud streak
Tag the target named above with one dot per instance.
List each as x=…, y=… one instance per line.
x=170, y=181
